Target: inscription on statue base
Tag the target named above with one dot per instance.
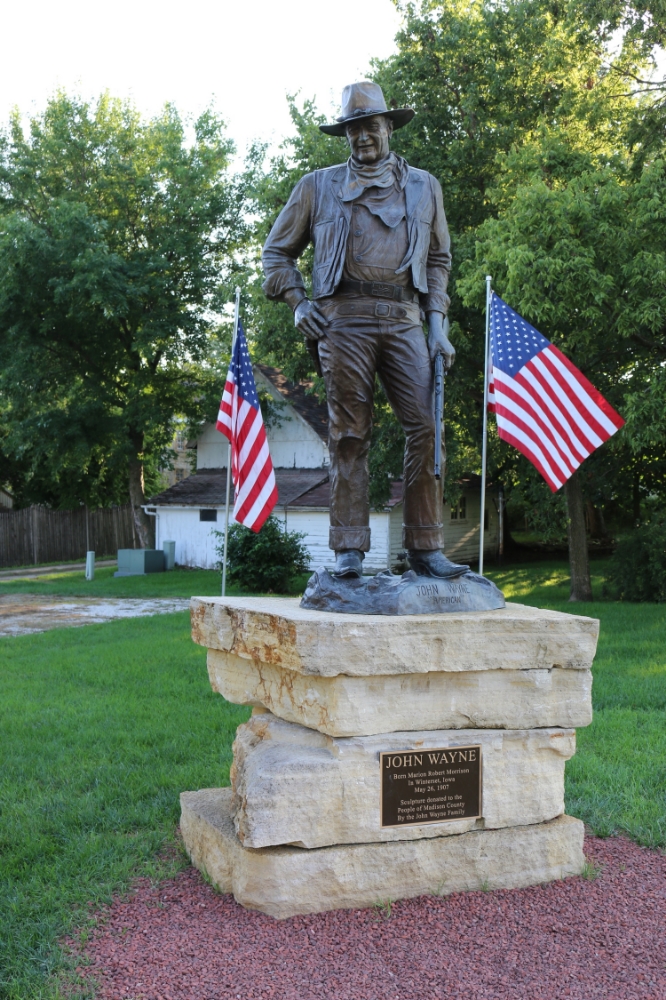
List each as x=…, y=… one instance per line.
x=409, y=594
x=430, y=786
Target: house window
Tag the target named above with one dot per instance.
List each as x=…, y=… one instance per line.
x=208, y=515
x=459, y=513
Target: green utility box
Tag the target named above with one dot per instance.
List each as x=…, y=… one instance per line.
x=138, y=562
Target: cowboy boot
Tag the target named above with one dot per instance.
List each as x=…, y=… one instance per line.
x=349, y=564
x=434, y=563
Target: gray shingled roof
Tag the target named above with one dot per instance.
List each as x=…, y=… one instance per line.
x=207, y=487
x=296, y=488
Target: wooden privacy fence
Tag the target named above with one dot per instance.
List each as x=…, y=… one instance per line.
x=40, y=535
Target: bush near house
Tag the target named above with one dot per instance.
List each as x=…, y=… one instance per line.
x=268, y=560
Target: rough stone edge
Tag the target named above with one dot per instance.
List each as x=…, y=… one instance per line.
x=278, y=632
x=322, y=703
x=287, y=881
x=265, y=732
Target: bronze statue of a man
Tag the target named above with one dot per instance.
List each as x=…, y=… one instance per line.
x=381, y=261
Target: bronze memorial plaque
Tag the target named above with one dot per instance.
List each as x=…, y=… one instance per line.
x=430, y=786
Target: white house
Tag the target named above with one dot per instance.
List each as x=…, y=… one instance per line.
x=192, y=510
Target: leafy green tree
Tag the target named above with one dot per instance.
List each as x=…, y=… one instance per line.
x=500, y=90
x=115, y=233
x=537, y=92
x=584, y=260
x=488, y=77
x=637, y=570
x=266, y=188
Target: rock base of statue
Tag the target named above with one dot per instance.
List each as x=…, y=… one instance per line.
x=409, y=594
x=285, y=881
x=389, y=756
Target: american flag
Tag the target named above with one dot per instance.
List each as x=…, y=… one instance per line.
x=240, y=420
x=544, y=406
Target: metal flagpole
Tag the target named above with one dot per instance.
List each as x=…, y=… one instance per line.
x=226, y=509
x=485, y=423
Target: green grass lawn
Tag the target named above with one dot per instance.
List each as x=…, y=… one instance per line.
x=73, y=583
x=180, y=582
x=101, y=727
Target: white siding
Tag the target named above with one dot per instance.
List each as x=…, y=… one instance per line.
x=293, y=444
x=195, y=541
x=211, y=448
x=461, y=537
x=314, y=523
x=395, y=518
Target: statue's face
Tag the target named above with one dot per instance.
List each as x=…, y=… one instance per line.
x=369, y=138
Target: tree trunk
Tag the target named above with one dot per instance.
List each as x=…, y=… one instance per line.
x=595, y=521
x=142, y=523
x=581, y=588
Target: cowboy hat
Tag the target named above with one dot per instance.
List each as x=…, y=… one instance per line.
x=364, y=100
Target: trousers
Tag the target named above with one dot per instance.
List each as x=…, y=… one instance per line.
x=368, y=337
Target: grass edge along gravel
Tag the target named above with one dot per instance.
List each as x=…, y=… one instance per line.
x=88, y=715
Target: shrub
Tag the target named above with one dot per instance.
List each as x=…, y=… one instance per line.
x=267, y=560
x=637, y=570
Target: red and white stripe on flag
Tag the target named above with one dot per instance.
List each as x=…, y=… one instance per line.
x=240, y=420
x=544, y=406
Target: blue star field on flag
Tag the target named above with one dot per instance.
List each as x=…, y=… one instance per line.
x=514, y=340
x=242, y=369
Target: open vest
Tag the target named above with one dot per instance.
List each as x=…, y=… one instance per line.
x=331, y=220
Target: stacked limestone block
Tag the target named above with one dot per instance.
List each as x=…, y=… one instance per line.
x=300, y=829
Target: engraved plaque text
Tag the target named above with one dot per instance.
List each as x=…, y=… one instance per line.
x=430, y=786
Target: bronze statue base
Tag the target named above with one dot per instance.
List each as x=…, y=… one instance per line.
x=409, y=594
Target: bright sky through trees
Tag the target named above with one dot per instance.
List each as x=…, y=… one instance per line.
x=247, y=54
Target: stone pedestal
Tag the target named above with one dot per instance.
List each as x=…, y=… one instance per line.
x=285, y=881
x=301, y=829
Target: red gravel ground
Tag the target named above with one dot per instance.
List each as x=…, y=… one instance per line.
x=579, y=938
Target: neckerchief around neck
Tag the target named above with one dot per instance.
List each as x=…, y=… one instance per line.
x=360, y=176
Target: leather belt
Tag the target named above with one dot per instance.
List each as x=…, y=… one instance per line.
x=378, y=290
x=375, y=310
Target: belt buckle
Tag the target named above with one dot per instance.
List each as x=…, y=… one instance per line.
x=382, y=310
x=382, y=290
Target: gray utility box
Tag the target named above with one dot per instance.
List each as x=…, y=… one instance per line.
x=138, y=562
x=169, y=549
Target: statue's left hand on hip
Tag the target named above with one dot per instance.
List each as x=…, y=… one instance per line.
x=438, y=342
